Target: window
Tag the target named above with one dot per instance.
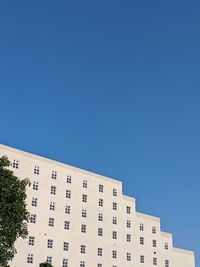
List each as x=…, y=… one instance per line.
x=154, y=261
x=84, y=198
x=83, y=228
x=82, y=249
x=141, y=240
x=100, y=217
x=66, y=225
x=54, y=175
x=166, y=246
x=36, y=170
x=33, y=218
x=128, y=256
x=69, y=179
x=84, y=183
x=114, y=234
x=49, y=243
x=15, y=164
x=141, y=227
x=49, y=259
x=53, y=190
x=51, y=222
x=100, y=231
x=31, y=240
x=30, y=258
x=114, y=192
x=100, y=252
x=84, y=213
x=35, y=185
x=52, y=205
x=65, y=246
x=100, y=202
x=114, y=206
x=34, y=202
x=128, y=238
x=166, y=263
x=67, y=209
x=114, y=220
x=128, y=224
x=128, y=209
x=114, y=254
x=141, y=258
x=65, y=263
x=154, y=243
x=68, y=194
x=154, y=230
x=99, y=265
x=101, y=188
x=82, y=264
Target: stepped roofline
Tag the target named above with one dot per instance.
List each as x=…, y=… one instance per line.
x=165, y=234
x=132, y=199
x=183, y=251
x=148, y=217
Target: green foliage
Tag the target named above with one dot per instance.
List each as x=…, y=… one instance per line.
x=45, y=264
x=13, y=213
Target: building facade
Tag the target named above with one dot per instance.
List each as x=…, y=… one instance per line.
x=82, y=219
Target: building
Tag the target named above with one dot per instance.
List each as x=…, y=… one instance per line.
x=82, y=219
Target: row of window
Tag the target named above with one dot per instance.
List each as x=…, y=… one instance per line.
x=99, y=253
x=51, y=223
x=31, y=241
x=53, y=189
x=67, y=210
x=84, y=199
x=36, y=171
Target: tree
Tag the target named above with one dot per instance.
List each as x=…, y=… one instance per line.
x=45, y=264
x=13, y=213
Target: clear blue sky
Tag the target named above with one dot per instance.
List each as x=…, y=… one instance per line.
x=112, y=87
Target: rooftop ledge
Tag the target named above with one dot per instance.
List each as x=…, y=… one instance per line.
x=63, y=165
x=183, y=251
x=165, y=234
x=132, y=199
x=148, y=217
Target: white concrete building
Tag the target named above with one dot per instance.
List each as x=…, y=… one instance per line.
x=82, y=219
